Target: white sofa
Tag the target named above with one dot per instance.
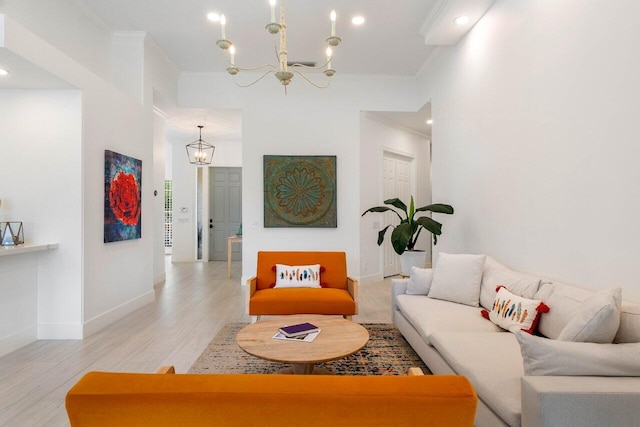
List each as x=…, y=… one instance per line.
x=454, y=338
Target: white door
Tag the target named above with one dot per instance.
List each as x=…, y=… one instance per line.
x=225, y=211
x=396, y=182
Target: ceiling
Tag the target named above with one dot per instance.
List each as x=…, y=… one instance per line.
x=389, y=43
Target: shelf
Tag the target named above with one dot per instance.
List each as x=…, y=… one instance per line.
x=26, y=248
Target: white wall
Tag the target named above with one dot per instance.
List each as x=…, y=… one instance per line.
x=40, y=184
x=375, y=138
x=536, y=140
x=306, y=121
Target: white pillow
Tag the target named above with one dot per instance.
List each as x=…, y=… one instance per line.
x=496, y=274
x=598, y=319
x=420, y=281
x=457, y=277
x=297, y=276
x=543, y=356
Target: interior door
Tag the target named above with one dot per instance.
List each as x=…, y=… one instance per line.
x=396, y=183
x=225, y=210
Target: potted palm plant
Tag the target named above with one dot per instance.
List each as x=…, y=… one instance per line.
x=405, y=235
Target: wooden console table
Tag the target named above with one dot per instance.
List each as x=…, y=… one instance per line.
x=230, y=241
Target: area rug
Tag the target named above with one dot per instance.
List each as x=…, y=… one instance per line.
x=386, y=353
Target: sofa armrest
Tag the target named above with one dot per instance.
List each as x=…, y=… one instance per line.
x=352, y=288
x=580, y=401
x=398, y=287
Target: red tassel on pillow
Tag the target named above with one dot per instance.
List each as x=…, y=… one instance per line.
x=322, y=269
x=485, y=314
x=541, y=308
x=324, y=284
x=501, y=286
x=273, y=285
x=273, y=268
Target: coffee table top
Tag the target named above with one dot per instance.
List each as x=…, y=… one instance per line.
x=338, y=338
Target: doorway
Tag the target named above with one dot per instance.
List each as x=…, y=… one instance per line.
x=225, y=211
x=396, y=182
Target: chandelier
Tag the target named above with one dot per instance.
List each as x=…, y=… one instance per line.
x=200, y=152
x=285, y=70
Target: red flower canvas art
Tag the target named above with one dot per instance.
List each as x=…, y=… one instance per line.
x=122, y=197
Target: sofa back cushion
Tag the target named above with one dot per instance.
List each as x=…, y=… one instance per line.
x=334, y=274
x=566, y=301
x=496, y=274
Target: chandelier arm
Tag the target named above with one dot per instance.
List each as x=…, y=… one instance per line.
x=255, y=81
x=273, y=67
x=317, y=67
x=319, y=86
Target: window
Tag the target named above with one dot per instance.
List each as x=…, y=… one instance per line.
x=168, y=213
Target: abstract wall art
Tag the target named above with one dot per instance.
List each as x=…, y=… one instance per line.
x=122, y=197
x=300, y=191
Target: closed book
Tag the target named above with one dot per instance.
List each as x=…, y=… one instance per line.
x=298, y=329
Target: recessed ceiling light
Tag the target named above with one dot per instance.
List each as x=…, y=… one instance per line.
x=357, y=20
x=215, y=17
x=461, y=20
x=430, y=121
x=3, y=72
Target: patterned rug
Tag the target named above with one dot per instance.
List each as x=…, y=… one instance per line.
x=386, y=353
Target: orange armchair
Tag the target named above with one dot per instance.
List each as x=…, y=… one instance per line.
x=338, y=296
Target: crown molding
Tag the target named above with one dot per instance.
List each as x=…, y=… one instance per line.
x=371, y=115
x=93, y=16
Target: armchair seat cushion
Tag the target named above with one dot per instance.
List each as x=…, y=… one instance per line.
x=302, y=301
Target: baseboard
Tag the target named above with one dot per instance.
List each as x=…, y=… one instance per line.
x=19, y=339
x=92, y=326
x=59, y=331
x=372, y=278
x=159, y=278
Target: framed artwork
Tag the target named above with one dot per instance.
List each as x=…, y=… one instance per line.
x=300, y=191
x=122, y=197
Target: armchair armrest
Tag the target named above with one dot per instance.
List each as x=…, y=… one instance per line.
x=166, y=369
x=251, y=289
x=352, y=288
x=580, y=401
x=415, y=371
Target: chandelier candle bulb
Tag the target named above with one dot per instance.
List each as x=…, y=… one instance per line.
x=329, y=55
x=272, y=3
x=232, y=52
x=333, y=23
x=223, y=23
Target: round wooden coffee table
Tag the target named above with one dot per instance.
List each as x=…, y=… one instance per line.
x=338, y=338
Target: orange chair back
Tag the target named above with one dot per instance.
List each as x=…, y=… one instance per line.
x=334, y=263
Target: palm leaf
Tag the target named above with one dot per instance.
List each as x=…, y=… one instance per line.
x=438, y=208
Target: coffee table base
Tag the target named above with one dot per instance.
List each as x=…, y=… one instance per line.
x=304, y=369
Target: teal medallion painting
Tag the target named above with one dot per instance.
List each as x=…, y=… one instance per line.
x=300, y=191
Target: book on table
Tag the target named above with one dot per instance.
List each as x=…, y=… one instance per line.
x=298, y=338
x=291, y=331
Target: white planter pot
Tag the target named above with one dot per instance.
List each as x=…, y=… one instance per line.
x=412, y=259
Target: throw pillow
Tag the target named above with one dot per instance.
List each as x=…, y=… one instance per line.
x=598, y=319
x=544, y=356
x=297, y=276
x=420, y=281
x=514, y=313
x=496, y=274
x=457, y=277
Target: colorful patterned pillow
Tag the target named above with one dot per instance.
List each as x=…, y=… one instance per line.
x=297, y=276
x=513, y=312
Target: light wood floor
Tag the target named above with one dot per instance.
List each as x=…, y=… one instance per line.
x=190, y=307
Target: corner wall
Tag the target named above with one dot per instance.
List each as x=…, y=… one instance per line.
x=536, y=140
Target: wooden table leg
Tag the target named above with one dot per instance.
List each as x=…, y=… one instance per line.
x=229, y=257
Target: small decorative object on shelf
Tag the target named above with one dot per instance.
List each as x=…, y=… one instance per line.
x=11, y=233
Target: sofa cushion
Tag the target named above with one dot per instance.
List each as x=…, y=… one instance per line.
x=629, y=330
x=515, y=313
x=496, y=274
x=493, y=364
x=598, y=319
x=297, y=276
x=543, y=356
x=457, y=277
x=302, y=301
x=564, y=303
x=429, y=315
x=420, y=281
